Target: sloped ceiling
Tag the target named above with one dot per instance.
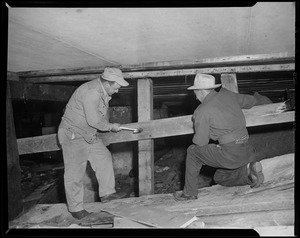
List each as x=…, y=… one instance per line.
x=61, y=38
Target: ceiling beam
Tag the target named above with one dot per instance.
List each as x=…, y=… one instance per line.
x=170, y=73
x=43, y=92
x=285, y=57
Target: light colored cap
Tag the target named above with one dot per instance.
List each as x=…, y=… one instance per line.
x=204, y=81
x=114, y=74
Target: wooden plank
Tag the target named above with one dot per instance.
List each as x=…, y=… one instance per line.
x=284, y=231
x=38, y=144
x=12, y=76
x=256, y=116
x=249, y=219
x=121, y=222
x=218, y=201
x=229, y=81
x=14, y=193
x=151, y=216
x=145, y=147
x=22, y=91
x=168, y=73
x=238, y=206
x=276, y=192
x=230, y=60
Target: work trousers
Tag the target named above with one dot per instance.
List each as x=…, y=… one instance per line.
x=76, y=153
x=229, y=159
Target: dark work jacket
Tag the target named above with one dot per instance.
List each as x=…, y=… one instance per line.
x=220, y=117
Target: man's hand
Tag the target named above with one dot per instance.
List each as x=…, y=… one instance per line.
x=116, y=127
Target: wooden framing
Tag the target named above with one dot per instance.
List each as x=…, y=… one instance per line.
x=284, y=57
x=226, y=66
x=24, y=91
x=169, y=73
x=14, y=193
x=256, y=116
x=145, y=147
x=229, y=81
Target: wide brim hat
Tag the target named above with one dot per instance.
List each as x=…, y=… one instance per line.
x=204, y=81
x=114, y=74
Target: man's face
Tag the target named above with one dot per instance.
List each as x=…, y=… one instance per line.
x=200, y=94
x=113, y=88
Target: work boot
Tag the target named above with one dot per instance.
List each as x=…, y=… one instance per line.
x=181, y=196
x=255, y=174
x=113, y=196
x=81, y=214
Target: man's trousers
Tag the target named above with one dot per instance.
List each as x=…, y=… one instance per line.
x=76, y=153
x=229, y=159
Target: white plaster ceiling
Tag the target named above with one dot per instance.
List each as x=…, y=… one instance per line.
x=61, y=38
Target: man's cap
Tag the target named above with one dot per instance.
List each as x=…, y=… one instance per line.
x=114, y=74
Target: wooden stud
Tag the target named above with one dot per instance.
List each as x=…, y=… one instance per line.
x=229, y=82
x=145, y=147
x=14, y=193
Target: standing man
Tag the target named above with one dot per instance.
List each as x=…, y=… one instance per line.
x=85, y=114
x=220, y=118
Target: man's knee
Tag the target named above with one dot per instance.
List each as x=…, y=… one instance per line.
x=190, y=149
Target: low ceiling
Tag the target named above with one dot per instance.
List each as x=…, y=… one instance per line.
x=62, y=38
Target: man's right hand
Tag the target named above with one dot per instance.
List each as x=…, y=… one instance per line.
x=116, y=127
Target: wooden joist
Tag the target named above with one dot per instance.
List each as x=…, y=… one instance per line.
x=258, y=115
x=169, y=73
x=28, y=91
x=284, y=57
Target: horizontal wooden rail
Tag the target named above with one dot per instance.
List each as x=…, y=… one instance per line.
x=42, y=92
x=284, y=57
x=256, y=116
x=169, y=73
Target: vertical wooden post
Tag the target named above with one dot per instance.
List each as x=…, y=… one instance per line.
x=14, y=193
x=229, y=81
x=145, y=147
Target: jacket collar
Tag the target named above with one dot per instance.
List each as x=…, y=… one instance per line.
x=103, y=89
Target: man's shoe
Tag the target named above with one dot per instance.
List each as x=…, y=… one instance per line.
x=181, y=196
x=81, y=214
x=113, y=196
x=255, y=174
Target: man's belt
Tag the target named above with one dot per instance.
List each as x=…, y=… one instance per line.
x=242, y=139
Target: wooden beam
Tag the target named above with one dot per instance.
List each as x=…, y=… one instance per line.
x=256, y=116
x=231, y=60
x=169, y=73
x=12, y=76
x=229, y=81
x=22, y=91
x=14, y=192
x=59, y=93
x=145, y=147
